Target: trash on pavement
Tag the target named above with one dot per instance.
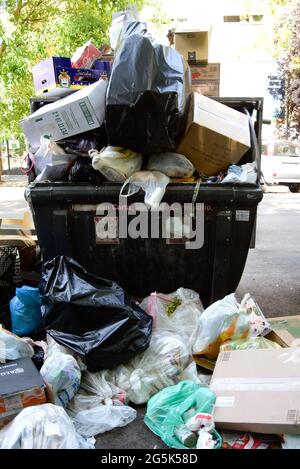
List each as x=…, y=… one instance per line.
x=25, y=310
x=250, y=343
x=290, y=442
x=285, y=331
x=259, y=325
x=94, y=317
x=62, y=373
x=42, y=427
x=166, y=410
x=172, y=165
x=102, y=418
x=247, y=173
x=13, y=347
x=85, y=56
x=153, y=183
x=146, y=112
x=176, y=312
x=269, y=378
x=21, y=386
x=216, y=136
x=50, y=162
x=219, y=322
x=233, y=440
x=101, y=385
x=79, y=112
x=116, y=164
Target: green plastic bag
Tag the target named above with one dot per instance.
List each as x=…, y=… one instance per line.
x=166, y=408
x=251, y=343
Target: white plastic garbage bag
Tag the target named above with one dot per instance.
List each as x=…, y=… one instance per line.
x=100, y=384
x=42, y=427
x=13, y=347
x=176, y=312
x=247, y=173
x=173, y=165
x=116, y=163
x=103, y=418
x=221, y=321
x=50, y=162
x=153, y=183
x=63, y=374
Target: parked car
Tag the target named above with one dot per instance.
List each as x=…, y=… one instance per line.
x=280, y=163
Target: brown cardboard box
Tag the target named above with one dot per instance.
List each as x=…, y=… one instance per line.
x=258, y=390
x=193, y=45
x=216, y=135
x=285, y=331
x=202, y=72
x=207, y=87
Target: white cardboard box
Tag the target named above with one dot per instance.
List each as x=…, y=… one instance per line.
x=81, y=111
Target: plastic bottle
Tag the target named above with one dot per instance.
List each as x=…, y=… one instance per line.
x=185, y=436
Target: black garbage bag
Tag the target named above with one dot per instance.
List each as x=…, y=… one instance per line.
x=92, y=316
x=83, y=171
x=81, y=144
x=147, y=94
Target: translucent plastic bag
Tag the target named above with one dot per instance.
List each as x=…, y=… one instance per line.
x=25, y=309
x=220, y=322
x=172, y=165
x=63, y=374
x=247, y=173
x=50, y=162
x=101, y=384
x=250, y=343
x=153, y=184
x=46, y=426
x=166, y=410
x=116, y=164
x=103, y=418
x=177, y=312
x=12, y=347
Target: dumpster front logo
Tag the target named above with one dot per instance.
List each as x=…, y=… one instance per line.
x=176, y=223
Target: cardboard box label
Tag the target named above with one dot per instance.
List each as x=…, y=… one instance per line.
x=224, y=401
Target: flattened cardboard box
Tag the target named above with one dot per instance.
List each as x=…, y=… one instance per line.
x=21, y=385
x=258, y=390
x=216, y=135
x=285, y=331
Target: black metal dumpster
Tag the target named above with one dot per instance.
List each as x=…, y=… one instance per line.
x=66, y=219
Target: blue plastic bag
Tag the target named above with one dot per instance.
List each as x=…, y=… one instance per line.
x=25, y=310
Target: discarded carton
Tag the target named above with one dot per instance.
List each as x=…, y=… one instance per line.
x=285, y=331
x=72, y=115
x=21, y=386
x=258, y=390
x=207, y=87
x=205, y=72
x=216, y=135
x=193, y=45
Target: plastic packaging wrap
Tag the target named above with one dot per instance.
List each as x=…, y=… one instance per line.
x=63, y=374
x=92, y=316
x=166, y=410
x=173, y=165
x=221, y=321
x=116, y=164
x=259, y=325
x=247, y=173
x=177, y=312
x=50, y=162
x=42, y=427
x=12, y=347
x=153, y=184
x=146, y=112
x=102, y=418
x=250, y=343
x=25, y=310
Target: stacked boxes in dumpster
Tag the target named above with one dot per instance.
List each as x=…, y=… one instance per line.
x=258, y=390
x=206, y=78
x=79, y=112
x=193, y=45
x=20, y=386
x=216, y=135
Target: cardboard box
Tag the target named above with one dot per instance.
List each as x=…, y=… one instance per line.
x=285, y=331
x=207, y=87
x=216, y=135
x=21, y=385
x=192, y=45
x=258, y=390
x=56, y=77
x=202, y=72
x=72, y=115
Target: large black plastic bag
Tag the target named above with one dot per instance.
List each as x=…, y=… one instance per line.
x=92, y=316
x=146, y=96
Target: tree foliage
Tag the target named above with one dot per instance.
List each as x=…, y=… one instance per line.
x=31, y=30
